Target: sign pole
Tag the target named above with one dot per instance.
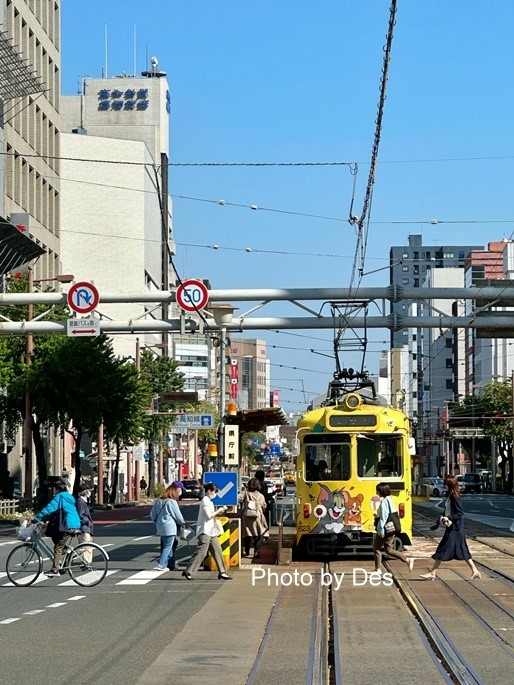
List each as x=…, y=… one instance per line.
x=221, y=440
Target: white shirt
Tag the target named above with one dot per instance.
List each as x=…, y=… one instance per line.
x=205, y=522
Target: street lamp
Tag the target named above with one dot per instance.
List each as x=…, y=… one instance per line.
x=29, y=350
x=222, y=314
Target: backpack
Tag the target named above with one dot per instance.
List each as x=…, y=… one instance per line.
x=250, y=508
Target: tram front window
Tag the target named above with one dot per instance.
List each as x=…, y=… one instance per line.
x=379, y=456
x=327, y=462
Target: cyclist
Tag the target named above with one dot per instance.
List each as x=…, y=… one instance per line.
x=63, y=499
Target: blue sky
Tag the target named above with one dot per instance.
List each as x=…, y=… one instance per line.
x=298, y=81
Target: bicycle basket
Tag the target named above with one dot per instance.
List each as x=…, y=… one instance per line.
x=25, y=533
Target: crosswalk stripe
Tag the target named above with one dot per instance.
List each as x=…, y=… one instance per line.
x=68, y=583
x=10, y=542
x=142, y=577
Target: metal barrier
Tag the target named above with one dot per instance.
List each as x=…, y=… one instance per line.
x=230, y=541
x=283, y=510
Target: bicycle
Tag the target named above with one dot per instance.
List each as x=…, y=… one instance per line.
x=86, y=563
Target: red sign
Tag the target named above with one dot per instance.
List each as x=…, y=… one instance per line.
x=192, y=295
x=83, y=297
x=233, y=378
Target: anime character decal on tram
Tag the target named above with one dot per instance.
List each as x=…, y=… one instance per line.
x=347, y=446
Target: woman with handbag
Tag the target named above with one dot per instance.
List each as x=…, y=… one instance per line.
x=384, y=539
x=207, y=531
x=166, y=515
x=64, y=520
x=253, y=522
x=453, y=544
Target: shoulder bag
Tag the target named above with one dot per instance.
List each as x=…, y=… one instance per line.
x=57, y=524
x=392, y=525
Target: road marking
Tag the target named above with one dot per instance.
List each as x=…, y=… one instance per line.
x=11, y=542
x=142, y=578
x=73, y=599
x=34, y=611
x=69, y=583
x=55, y=605
x=145, y=537
x=9, y=620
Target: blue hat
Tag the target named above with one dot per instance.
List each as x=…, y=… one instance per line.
x=177, y=484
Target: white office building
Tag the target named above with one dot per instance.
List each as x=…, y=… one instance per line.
x=114, y=147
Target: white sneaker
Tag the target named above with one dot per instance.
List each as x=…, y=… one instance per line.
x=410, y=563
x=159, y=568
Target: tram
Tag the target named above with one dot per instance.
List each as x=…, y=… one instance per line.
x=346, y=447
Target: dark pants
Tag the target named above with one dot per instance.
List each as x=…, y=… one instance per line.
x=257, y=541
x=388, y=545
x=59, y=545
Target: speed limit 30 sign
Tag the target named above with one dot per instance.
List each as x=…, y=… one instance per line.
x=192, y=295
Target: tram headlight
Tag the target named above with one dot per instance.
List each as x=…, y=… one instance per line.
x=352, y=401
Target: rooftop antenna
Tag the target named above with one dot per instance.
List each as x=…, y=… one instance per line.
x=105, y=74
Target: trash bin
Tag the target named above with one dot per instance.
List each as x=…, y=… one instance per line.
x=230, y=541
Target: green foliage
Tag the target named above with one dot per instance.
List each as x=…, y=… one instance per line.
x=159, y=490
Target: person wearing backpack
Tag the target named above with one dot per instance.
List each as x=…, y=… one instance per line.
x=253, y=524
x=86, y=522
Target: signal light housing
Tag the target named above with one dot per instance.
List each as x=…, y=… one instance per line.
x=401, y=510
x=306, y=511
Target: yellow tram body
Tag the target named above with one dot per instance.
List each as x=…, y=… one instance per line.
x=345, y=451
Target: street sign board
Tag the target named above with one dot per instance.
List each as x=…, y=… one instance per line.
x=194, y=421
x=179, y=396
x=82, y=328
x=192, y=295
x=227, y=484
x=83, y=297
x=231, y=445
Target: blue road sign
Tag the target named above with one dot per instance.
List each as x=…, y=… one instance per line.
x=227, y=484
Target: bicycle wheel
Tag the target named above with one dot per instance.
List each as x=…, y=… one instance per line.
x=24, y=564
x=87, y=564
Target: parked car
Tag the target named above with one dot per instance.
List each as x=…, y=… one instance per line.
x=460, y=480
x=191, y=489
x=473, y=482
x=435, y=486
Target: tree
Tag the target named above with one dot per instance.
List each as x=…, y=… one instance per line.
x=161, y=374
x=72, y=384
x=491, y=411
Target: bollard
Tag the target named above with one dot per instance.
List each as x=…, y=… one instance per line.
x=230, y=544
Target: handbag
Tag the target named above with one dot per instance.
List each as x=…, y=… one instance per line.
x=217, y=527
x=392, y=525
x=57, y=524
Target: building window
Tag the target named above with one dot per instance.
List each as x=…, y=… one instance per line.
x=405, y=281
x=449, y=384
x=449, y=363
x=449, y=342
x=405, y=268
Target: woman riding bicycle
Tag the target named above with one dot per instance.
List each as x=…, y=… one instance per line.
x=63, y=499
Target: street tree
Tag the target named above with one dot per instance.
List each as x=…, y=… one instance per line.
x=160, y=374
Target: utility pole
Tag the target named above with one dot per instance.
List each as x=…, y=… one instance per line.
x=29, y=349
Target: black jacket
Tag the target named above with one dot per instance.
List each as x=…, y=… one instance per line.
x=86, y=522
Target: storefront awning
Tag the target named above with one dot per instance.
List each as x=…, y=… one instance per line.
x=16, y=247
x=255, y=420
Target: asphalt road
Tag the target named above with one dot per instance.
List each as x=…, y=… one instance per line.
x=58, y=632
